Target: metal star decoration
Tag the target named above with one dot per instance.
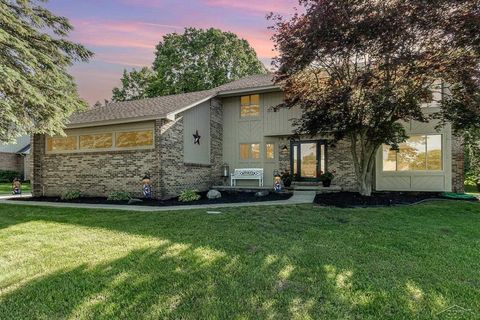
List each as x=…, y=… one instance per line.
x=196, y=138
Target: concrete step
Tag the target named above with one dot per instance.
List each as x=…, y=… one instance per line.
x=318, y=189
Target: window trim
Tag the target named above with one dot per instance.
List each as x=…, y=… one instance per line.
x=249, y=151
x=250, y=104
x=442, y=153
x=114, y=147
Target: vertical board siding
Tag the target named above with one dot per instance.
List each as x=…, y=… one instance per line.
x=197, y=118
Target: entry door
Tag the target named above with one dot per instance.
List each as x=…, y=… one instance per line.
x=308, y=159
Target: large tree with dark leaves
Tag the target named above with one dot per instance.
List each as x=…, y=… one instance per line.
x=357, y=68
x=134, y=85
x=201, y=59
x=36, y=92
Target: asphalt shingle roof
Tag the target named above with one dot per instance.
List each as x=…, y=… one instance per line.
x=162, y=106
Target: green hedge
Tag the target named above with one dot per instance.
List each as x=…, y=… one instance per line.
x=8, y=176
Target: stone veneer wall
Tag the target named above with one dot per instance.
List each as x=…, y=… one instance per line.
x=458, y=164
x=93, y=173
x=176, y=175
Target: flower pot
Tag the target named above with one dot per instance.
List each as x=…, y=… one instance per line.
x=287, y=183
x=326, y=183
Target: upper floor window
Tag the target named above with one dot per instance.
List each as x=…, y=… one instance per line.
x=418, y=153
x=250, y=106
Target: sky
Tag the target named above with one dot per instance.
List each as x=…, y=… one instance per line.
x=123, y=33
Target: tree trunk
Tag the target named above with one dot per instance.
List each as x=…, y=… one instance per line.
x=364, y=163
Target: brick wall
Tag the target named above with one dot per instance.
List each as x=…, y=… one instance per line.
x=458, y=155
x=93, y=173
x=11, y=162
x=340, y=158
x=177, y=176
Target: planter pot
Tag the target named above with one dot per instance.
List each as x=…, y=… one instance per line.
x=287, y=183
x=326, y=183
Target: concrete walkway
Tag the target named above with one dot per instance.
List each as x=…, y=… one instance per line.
x=301, y=198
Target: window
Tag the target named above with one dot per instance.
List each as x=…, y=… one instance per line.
x=134, y=139
x=62, y=143
x=249, y=151
x=96, y=141
x=422, y=152
x=270, y=151
x=250, y=106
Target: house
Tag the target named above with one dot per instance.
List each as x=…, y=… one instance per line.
x=182, y=141
x=16, y=157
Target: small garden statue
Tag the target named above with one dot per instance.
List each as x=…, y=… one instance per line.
x=327, y=177
x=277, y=182
x=16, y=186
x=147, y=187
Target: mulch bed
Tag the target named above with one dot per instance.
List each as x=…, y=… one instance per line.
x=227, y=197
x=352, y=199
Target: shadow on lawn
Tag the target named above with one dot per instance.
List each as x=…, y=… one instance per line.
x=241, y=263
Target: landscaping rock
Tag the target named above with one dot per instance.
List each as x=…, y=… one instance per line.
x=261, y=194
x=135, y=201
x=214, y=194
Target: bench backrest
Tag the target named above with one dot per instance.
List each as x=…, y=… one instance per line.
x=249, y=172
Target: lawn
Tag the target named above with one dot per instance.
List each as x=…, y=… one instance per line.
x=6, y=188
x=302, y=262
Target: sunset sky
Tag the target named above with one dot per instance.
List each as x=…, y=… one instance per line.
x=123, y=33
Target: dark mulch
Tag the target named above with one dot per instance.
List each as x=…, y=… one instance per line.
x=227, y=197
x=352, y=199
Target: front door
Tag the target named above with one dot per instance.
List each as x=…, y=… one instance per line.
x=308, y=159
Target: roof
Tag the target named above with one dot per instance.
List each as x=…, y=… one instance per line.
x=20, y=144
x=162, y=107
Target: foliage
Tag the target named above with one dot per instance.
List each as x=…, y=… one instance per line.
x=134, y=85
x=280, y=262
x=37, y=94
x=327, y=175
x=8, y=175
x=359, y=68
x=189, y=196
x=201, y=59
x=287, y=178
x=71, y=195
x=119, y=196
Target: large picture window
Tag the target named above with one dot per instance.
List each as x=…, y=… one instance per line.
x=249, y=151
x=418, y=153
x=250, y=106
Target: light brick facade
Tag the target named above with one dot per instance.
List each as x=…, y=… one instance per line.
x=11, y=162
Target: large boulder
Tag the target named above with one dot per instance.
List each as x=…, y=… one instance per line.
x=214, y=194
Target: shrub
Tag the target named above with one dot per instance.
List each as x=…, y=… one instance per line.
x=188, y=196
x=71, y=195
x=8, y=175
x=119, y=196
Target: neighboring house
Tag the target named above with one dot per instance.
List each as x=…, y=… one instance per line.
x=183, y=140
x=16, y=156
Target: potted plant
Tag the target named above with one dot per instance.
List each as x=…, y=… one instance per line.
x=287, y=179
x=327, y=177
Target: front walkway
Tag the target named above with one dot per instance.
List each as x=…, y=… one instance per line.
x=301, y=198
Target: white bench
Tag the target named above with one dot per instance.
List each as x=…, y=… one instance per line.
x=247, y=174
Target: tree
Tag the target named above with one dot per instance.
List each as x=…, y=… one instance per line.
x=201, y=59
x=134, y=85
x=472, y=157
x=357, y=68
x=37, y=94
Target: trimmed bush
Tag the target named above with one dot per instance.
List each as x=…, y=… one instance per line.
x=119, y=196
x=188, y=196
x=8, y=176
x=71, y=195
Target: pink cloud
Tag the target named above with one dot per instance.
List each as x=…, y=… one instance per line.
x=264, y=6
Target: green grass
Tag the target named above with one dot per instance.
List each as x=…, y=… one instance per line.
x=6, y=188
x=246, y=263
